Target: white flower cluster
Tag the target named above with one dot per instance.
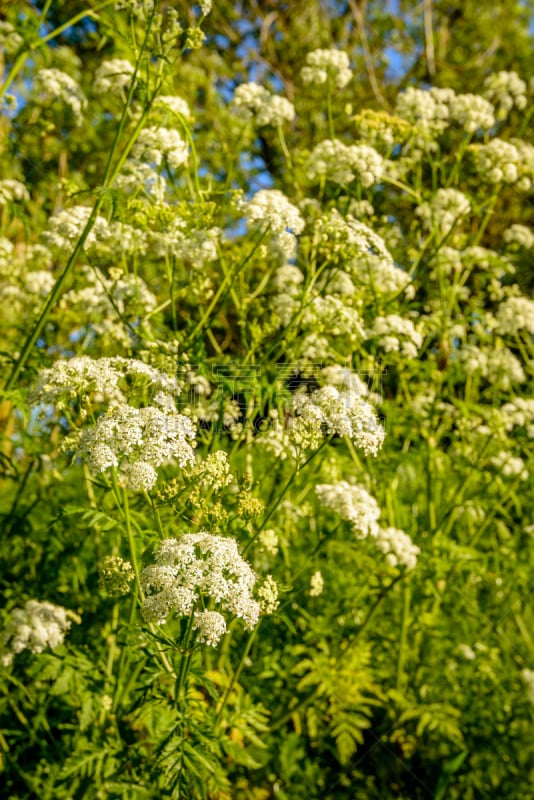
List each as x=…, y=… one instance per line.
x=353, y=504
x=195, y=567
x=10, y=40
x=333, y=412
x=6, y=254
x=365, y=255
x=528, y=679
x=156, y=145
x=499, y=366
x=515, y=314
x=105, y=304
x=500, y=161
x=432, y=111
x=519, y=235
x=398, y=547
x=210, y=627
x=270, y=210
x=205, y=6
x=505, y=90
x=105, y=379
x=254, y=102
x=136, y=177
x=316, y=584
x=196, y=246
x=65, y=228
x=445, y=209
x=267, y=594
x=136, y=441
x=113, y=76
x=339, y=163
x=519, y=413
x=472, y=112
x=34, y=627
x=350, y=237
x=397, y=334
x=13, y=191
x=268, y=541
x=175, y=104
x=509, y=466
x=54, y=84
x=324, y=64
x=427, y=111
x=334, y=317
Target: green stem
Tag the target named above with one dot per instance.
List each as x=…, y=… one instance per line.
x=185, y=660
x=403, y=635
x=222, y=289
x=282, y=494
x=237, y=673
x=131, y=540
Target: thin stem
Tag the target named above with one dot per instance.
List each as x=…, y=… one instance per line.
x=222, y=288
x=237, y=673
x=282, y=494
x=185, y=660
x=403, y=635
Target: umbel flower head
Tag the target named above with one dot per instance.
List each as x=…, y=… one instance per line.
x=136, y=440
x=34, y=627
x=197, y=569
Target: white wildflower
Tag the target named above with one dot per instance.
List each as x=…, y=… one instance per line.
x=397, y=334
x=519, y=413
x=34, y=627
x=211, y=627
x=105, y=379
x=53, y=84
x=255, y=102
x=343, y=413
x=509, y=466
x=505, y=90
x=113, y=76
x=353, y=504
x=141, y=477
x=340, y=163
x=195, y=566
x=498, y=161
x=66, y=227
x=472, y=112
x=156, y=145
x=10, y=40
x=175, y=104
x=268, y=541
x=519, y=235
x=445, y=209
x=147, y=435
x=271, y=207
x=13, y=191
x=316, y=584
x=324, y=64
x=515, y=314
x=425, y=110
x=136, y=177
x=397, y=547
